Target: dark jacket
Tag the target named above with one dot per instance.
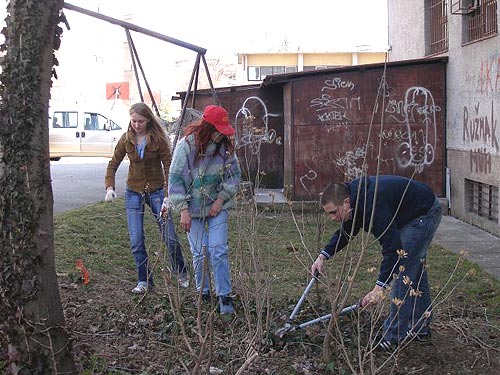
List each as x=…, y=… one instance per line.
x=399, y=200
x=148, y=174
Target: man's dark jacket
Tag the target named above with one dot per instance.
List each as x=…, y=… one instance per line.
x=398, y=201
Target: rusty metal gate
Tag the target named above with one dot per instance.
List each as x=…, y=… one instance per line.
x=335, y=124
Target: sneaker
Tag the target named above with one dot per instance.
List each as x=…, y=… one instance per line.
x=142, y=288
x=183, y=281
x=384, y=346
x=226, y=305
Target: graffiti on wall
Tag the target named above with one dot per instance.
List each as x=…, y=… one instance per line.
x=418, y=150
x=479, y=127
x=489, y=75
x=252, y=125
x=479, y=131
x=335, y=111
x=310, y=160
x=407, y=141
x=352, y=164
x=480, y=161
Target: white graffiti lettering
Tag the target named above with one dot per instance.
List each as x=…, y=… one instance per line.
x=337, y=83
x=252, y=125
x=419, y=151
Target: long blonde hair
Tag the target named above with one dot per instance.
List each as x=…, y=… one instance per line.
x=154, y=128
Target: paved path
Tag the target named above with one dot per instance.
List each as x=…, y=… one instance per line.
x=482, y=247
x=453, y=234
x=78, y=182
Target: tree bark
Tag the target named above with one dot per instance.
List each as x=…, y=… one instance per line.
x=33, y=338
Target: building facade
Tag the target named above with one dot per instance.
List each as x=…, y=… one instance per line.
x=255, y=66
x=466, y=31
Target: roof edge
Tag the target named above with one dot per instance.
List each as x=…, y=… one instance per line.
x=286, y=77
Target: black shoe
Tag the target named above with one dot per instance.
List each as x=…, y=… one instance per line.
x=226, y=305
x=206, y=298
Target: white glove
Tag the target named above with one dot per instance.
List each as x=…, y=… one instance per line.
x=165, y=207
x=110, y=196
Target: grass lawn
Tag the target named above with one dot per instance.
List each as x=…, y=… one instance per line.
x=271, y=251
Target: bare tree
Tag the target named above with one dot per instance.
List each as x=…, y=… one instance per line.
x=33, y=339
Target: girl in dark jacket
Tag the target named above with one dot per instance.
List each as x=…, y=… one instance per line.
x=147, y=148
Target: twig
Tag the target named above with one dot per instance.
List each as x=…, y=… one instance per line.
x=101, y=333
x=247, y=363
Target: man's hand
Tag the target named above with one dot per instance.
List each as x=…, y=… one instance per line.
x=185, y=220
x=317, y=266
x=216, y=207
x=374, y=296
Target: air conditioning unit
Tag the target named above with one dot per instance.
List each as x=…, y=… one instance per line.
x=465, y=6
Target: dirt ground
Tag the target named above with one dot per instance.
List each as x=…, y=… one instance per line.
x=115, y=332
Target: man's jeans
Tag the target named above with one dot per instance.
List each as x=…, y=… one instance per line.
x=134, y=203
x=211, y=234
x=412, y=285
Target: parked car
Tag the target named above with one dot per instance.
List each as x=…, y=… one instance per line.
x=74, y=132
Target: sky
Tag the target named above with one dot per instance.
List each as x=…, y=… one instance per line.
x=94, y=50
x=226, y=26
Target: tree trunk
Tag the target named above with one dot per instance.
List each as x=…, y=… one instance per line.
x=33, y=338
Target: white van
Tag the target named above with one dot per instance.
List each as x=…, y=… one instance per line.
x=82, y=133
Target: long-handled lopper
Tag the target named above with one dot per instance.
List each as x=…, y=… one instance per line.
x=290, y=326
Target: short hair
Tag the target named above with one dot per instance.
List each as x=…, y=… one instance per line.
x=335, y=192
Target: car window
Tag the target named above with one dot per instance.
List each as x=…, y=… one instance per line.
x=94, y=121
x=113, y=125
x=65, y=119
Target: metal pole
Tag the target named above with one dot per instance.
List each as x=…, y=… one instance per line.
x=214, y=94
x=136, y=28
x=129, y=39
x=195, y=88
x=144, y=77
x=184, y=104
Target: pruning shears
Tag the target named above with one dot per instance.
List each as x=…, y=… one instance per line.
x=290, y=326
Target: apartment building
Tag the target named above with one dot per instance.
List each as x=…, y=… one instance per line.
x=254, y=66
x=466, y=31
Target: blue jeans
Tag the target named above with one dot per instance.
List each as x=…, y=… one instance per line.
x=414, y=315
x=211, y=234
x=134, y=203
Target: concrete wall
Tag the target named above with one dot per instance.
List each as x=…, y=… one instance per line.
x=370, y=58
x=406, y=29
x=472, y=139
x=328, y=59
x=473, y=102
x=272, y=59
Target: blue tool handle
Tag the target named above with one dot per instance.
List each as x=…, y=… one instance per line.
x=327, y=317
x=303, y=297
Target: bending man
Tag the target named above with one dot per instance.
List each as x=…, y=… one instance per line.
x=406, y=214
